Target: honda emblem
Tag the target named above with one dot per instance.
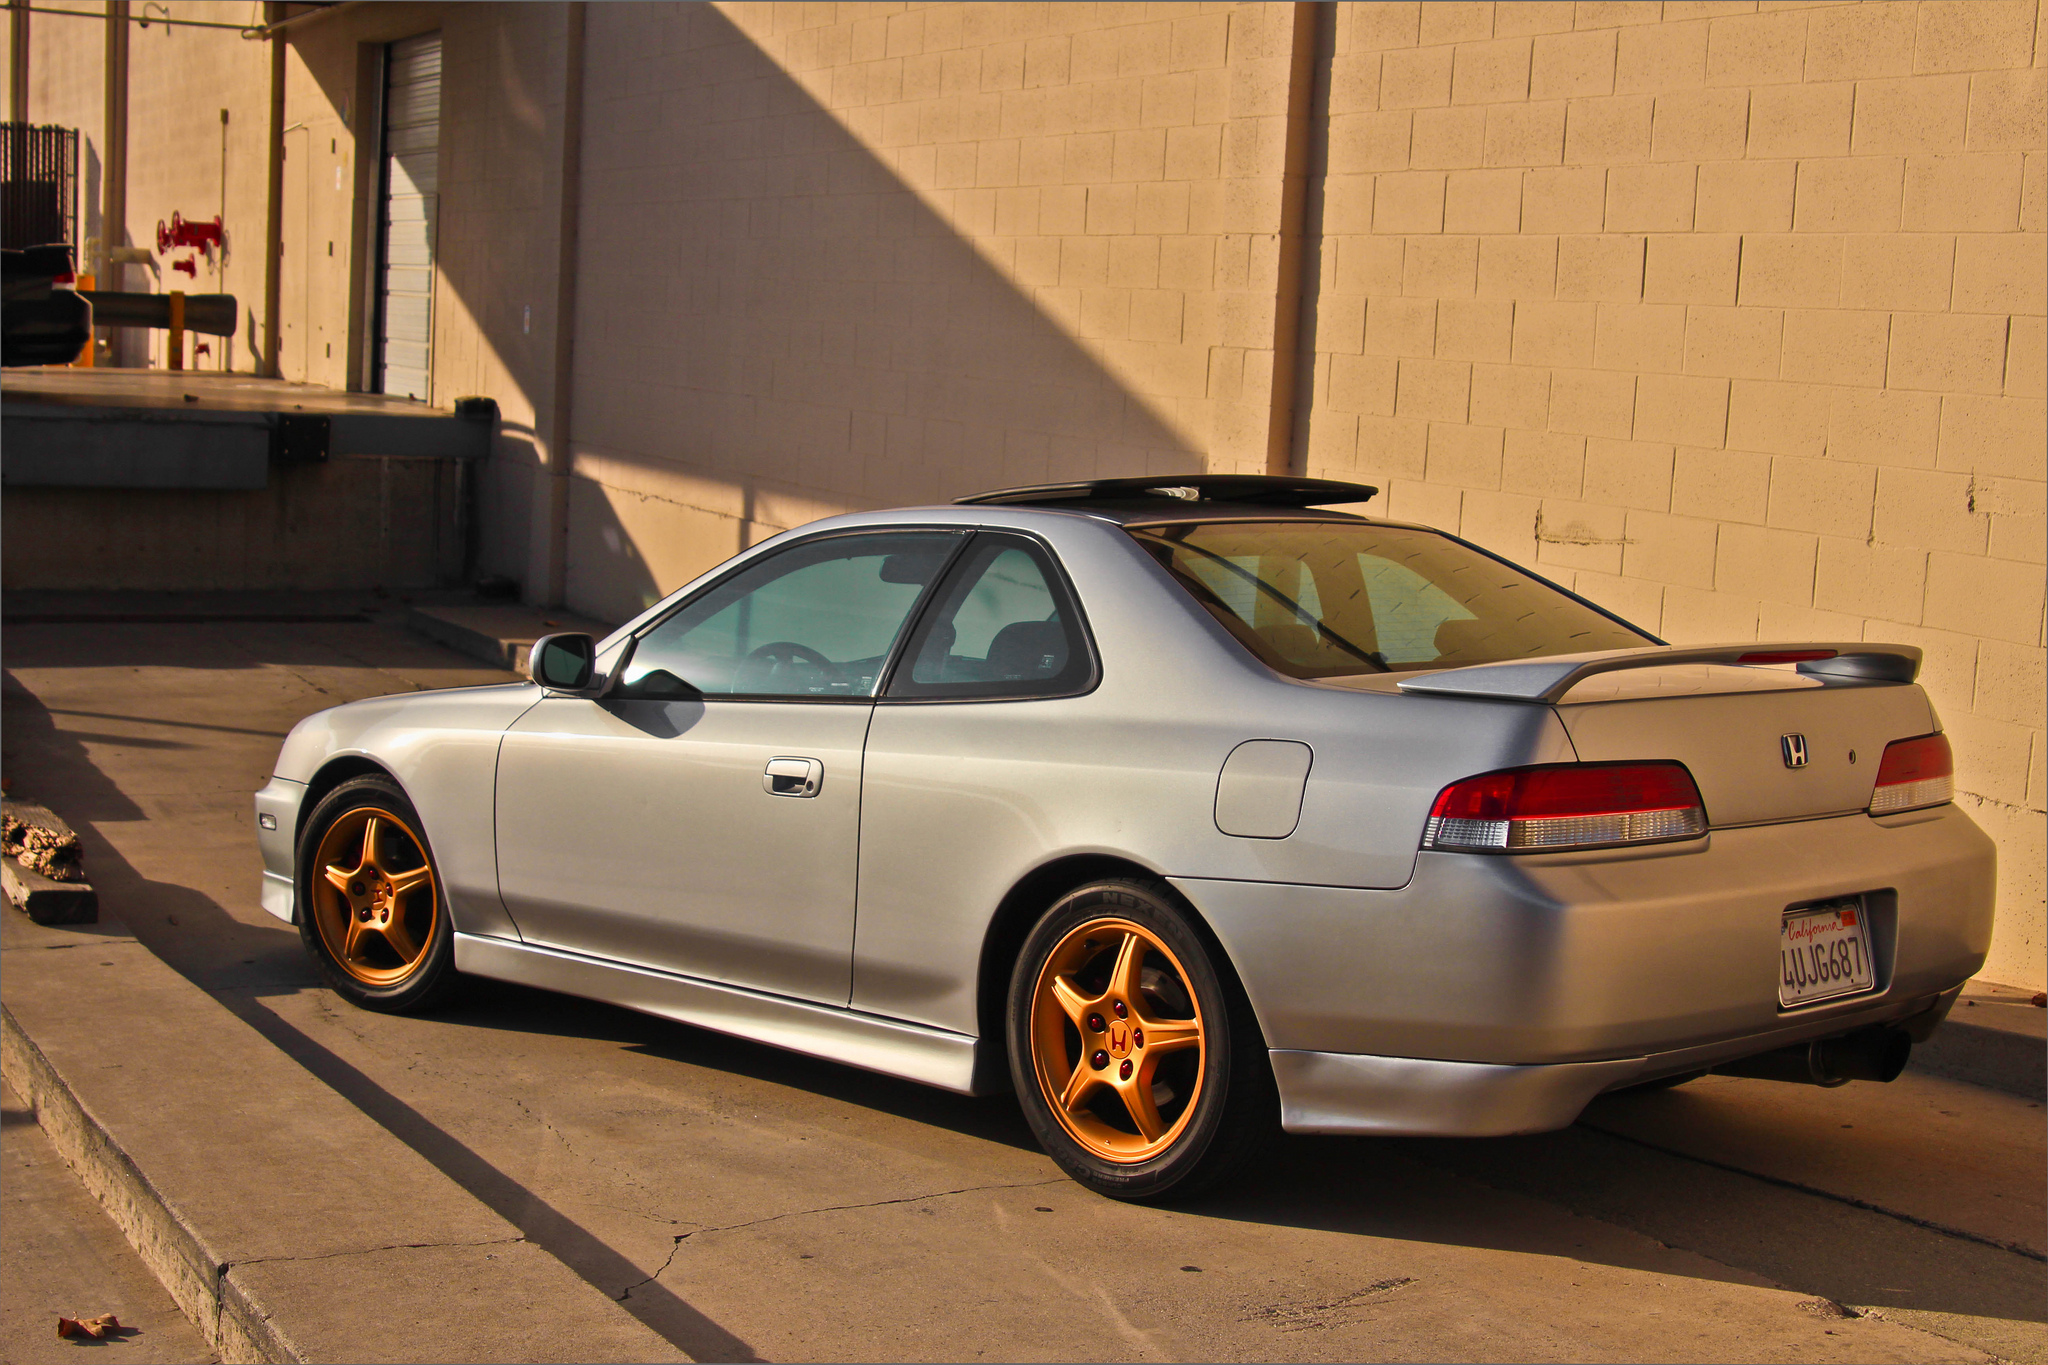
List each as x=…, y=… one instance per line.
x=1795, y=750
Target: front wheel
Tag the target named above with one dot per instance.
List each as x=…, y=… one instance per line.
x=372, y=912
x=1138, y=1063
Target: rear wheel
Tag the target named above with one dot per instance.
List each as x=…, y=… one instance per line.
x=1138, y=1063
x=371, y=908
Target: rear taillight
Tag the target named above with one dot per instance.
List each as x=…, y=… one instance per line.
x=1914, y=773
x=1566, y=805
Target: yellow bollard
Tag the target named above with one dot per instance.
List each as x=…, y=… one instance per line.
x=177, y=342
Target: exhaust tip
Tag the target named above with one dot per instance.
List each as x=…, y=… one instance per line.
x=1879, y=1053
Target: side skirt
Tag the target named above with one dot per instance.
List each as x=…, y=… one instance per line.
x=927, y=1055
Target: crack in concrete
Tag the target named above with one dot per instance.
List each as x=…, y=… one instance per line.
x=682, y=1237
x=228, y=1267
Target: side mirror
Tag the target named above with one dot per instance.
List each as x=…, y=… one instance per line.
x=564, y=663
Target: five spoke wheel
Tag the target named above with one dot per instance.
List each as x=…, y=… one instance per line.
x=375, y=903
x=1117, y=1039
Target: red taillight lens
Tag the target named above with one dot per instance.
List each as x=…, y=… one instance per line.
x=1567, y=805
x=1914, y=773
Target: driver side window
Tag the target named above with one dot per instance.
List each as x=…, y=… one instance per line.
x=816, y=620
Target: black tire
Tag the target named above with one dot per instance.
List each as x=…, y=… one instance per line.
x=398, y=899
x=1214, y=1114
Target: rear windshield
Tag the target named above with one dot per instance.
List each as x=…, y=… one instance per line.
x=1321, y=599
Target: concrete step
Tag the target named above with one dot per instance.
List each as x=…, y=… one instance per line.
x=285, y=1222
x=501, y=634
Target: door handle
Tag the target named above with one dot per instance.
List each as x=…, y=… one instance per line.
x=793, y=777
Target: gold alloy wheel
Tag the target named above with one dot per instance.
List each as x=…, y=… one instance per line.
x=374, y=900
x=1100, y=1032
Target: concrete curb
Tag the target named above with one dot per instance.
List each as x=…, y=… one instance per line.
x=287, y=1225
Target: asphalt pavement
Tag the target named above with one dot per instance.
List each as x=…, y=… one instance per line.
x=748, y=1204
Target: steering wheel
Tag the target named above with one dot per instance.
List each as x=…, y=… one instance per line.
x=780, y=654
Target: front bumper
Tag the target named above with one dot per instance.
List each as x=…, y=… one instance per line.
x=1652, y=961
x=279, y=801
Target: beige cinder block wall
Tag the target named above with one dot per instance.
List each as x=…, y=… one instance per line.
x=1728, y=316
x=842, y=256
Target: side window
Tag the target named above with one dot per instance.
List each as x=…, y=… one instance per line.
x=1002, y=626
x=816, y=620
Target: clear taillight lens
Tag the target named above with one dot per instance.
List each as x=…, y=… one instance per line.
x=1566, y=805
x=1914, y=773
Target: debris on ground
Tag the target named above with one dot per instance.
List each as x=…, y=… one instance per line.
x=1829, y=1309
x=54, y=853
x=42, y=866
x=96, y=1328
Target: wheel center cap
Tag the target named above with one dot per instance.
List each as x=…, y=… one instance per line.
x=1119, y=1038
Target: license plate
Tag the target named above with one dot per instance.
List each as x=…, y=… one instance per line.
x=1823, y=952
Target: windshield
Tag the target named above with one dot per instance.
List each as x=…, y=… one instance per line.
x=1319, y=599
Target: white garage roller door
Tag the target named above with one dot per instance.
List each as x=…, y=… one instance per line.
x=412, y=149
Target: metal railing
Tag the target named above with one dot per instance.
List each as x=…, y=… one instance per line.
x=39, y=198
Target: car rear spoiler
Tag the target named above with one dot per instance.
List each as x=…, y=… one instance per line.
x=1547, y=680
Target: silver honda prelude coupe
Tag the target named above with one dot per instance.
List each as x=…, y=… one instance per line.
x=1184, y=808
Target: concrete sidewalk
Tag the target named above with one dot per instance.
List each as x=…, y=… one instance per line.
x=286, y=1223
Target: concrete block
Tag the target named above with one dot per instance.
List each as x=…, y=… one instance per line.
x=1911, y=114
x=1725, y=485
x=1930, y=510
x=1784, y=419
x=1693, y=616
x=1849, y=194
x=1641, y=604
x=1554, y=332
x=1431, y=504
x=2019, y=524
x=1640, y=336
x=1474, y=329
x=2008, y=111
x=1604, y=266
x=1700, y=125
x=1881, y=426
x=1537, y=16
x=1517, y=268
x=1856, y=42
x=1969, y=192
x=2026, y=359
x=1756, y=49
x=1400, y=326
x=1782, y=270
x=1515, y=396
x=1409, y=201
x=1734, y=342
x=1433, y=390
x=1947, y=353
x=1804, y=120
x=1485, y=201
x=1440, y=267
x=1489, y=72
x=1628, y=474
x=2034, y=192
x=1995, y=599
x=1823, y=496
x=1783, y=621
x=1992, y=757
x=1564, y=199
x=1504, y=523
x=1415, y=78
x=1581, y=535
x=1835, y=346
x=1877, y=580
x=1691, y=268
x=1368, y=264
x=1525, y=134
x=1363, y=384
x=1375, y=28
x=1464, y=456
x=1653, y=58
x=1973, y=35
x=1604, y=130
x=1897, y=271
x=1448, y=138
x=1593, y=403
x=1651, y=198
x=1567, y=65
x=1993, y=436
x=1543, y=464
x=1671, y=550
x=1392, y=447
x=1460, y=21
x=2010, y=682
x=2001, y=273
x=1684, y=409
x=1745, y=196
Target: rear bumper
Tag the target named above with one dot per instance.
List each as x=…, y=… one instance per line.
x=1669, y=951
